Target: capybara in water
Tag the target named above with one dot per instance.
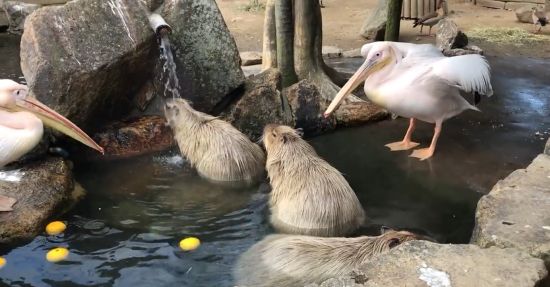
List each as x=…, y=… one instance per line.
x=308, y=196
x=214, y=147
x=297, y=260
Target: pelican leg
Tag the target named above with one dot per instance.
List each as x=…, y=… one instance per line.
x=406, y=143
x=425, y=153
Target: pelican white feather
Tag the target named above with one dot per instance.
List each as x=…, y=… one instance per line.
x=418, y=82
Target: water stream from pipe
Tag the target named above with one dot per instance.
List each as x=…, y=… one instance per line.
x=169, y=69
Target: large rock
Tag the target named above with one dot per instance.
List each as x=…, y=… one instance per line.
x=374, y=26
x=4, y=22
x=261, y=104
x=133, y=137
x=516, y=213
x=449, y=36
x=308, y=107
x=45, y=189
x=208, y=62
x=421, y=263
x=17, y=12
x=524, y=13
x=86, y=58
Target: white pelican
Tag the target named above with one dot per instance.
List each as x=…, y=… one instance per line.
x=418, y=82
x=21, y=127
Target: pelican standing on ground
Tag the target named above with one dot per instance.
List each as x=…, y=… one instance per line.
x=21, y=126
x=418, y=82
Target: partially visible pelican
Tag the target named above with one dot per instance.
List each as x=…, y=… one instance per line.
x=21, y=126
x=540, y=18
x=418, y=82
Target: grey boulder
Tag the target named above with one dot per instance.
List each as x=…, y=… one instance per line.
x=16, y=13
x=101, y=52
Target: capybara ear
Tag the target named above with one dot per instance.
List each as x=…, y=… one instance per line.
x=285, y=138
x=384, y=229
x=300, y=132
x=393, y=242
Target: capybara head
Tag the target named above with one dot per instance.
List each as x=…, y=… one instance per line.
x=392, y=238
x=175, y=109
x=277, y=135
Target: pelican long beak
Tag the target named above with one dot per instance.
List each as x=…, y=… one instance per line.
x=361, y=75
x=56, y=121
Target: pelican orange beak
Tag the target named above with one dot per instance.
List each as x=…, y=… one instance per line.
x=54, y=120
x=368, y=68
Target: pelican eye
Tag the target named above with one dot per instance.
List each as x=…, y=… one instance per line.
x=377, y=54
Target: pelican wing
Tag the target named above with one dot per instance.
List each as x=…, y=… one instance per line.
x=470, y=73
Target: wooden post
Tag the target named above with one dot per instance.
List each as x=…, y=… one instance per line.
x=394, y=19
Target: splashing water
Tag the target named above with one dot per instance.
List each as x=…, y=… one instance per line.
x=172, y=85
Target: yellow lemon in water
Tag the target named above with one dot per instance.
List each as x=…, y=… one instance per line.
x=57, y=254
x=56, y=227
x=190, y=243
x=2, y=262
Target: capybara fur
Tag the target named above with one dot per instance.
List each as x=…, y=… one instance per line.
x=297, y=260
x=214, y=147
x=308, y=196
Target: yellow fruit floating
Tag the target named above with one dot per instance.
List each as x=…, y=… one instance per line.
x=2, y=262
x=56, y=227
x=190, y=243
x=57, y=254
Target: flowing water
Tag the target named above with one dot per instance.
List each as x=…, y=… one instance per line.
x=169, y=69
x=126, y=231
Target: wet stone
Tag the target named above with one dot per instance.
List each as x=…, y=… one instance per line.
x=261, y=104
x=45, y=189
x=516, y=213
x=422, y=263
x=133, y=137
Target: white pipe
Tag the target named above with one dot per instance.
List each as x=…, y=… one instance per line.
x=159, y=25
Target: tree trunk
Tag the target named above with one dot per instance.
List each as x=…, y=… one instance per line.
x=394, y=20
x=285, y=41
x=269, y=55
x=308, y=54
x=547, y=6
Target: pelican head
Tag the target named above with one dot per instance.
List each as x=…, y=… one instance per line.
x=378, y=55
x=15, y=99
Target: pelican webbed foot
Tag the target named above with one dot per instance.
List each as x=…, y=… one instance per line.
x=401, y=145
x=422, y=153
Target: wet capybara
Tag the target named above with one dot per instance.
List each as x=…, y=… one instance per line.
x=297, y=260
x=308, y=196
x=214, y=147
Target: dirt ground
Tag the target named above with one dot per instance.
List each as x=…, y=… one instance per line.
x=342, y=20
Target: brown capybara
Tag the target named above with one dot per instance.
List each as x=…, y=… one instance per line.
x=214, y=147
x=298, y=260
x=308, y=196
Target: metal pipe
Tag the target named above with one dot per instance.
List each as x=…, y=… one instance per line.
x=159, y=25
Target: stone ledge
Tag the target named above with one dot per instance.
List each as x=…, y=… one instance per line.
x=422, y=263
x=516, y=213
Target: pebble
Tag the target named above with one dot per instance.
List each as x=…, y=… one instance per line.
x=190, y=243
x=56, y=227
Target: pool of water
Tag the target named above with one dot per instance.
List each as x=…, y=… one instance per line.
x=126, y=230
